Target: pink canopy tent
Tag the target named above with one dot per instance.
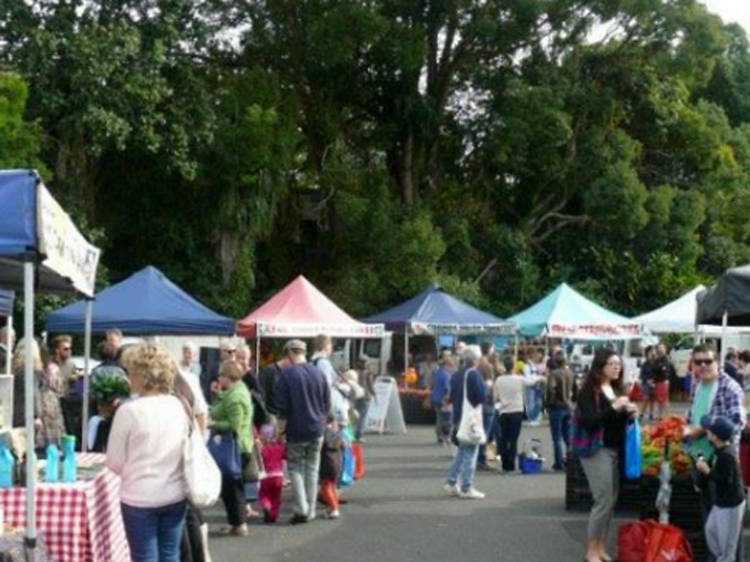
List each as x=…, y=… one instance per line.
x=300, y=310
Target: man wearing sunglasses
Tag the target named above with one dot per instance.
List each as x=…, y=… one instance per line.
x=715, y=394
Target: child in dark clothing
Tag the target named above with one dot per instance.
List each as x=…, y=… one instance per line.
x=724, y=523
x=330, y=468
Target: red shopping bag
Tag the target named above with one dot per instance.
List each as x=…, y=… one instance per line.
x=359, y=461
x=667, y=543
x=631, y=541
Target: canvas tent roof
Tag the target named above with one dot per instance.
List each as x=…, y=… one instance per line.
x=566, y=313
x=677, y=317
x=301, y=310
x=147, y=302
x=437, y=311
x=34, y=227
x=731, y=294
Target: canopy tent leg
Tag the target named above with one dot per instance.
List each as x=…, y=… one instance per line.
x=8, y=330
x=724, y=322
x=28, y=330
x=257, y=354
x=86, y=355
x=406, y=351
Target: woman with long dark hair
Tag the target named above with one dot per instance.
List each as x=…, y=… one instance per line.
x=603, y=411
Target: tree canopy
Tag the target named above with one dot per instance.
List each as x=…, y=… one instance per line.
x=496, y=146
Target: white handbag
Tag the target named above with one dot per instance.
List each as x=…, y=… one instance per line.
x=202, y=476
x=471, y=427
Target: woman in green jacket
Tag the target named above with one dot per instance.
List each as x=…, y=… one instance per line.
x=232, y=410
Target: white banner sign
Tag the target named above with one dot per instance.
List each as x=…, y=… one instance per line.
x=311, y=330
x=66, y=251
x=595, y=331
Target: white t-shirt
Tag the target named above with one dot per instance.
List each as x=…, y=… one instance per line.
x=145, y=449
x=608, y=392
x=508, y=392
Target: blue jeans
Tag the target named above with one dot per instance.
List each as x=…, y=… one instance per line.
x=559, y=424
x=154, y=533
x=487, y=416
x=533, y=403
x=464, y=465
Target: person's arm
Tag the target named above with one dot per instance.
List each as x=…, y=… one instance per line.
x=281, y=397
x=117, y=445
x=475, y=388
x=233, y=419
x=532, y=380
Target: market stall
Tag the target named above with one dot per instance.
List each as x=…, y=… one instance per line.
x=40, y=249
x=145, y=303
x=434, y=312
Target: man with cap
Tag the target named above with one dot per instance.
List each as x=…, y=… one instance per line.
x=723, y=525
x=303, y=400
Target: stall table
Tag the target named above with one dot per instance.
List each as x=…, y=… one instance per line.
x=79, y=522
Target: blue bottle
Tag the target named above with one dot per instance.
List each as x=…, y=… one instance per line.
x=53, y=463
x=7, y=463
x=69, y=462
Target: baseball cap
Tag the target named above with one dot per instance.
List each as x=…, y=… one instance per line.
x=297, y=345
x=719, y=426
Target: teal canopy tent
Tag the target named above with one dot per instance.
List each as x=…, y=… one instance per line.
x=565, y=313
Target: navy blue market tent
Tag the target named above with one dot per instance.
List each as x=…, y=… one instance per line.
x=6, y=302
x=144, y=303
x=436, y=311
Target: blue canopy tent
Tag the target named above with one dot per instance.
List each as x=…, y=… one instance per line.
x=6, y=309
x=147, y=302
x=435, y=311
x=566, y=313
x=40, y=248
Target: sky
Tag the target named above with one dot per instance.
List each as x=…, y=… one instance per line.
x=731, y=11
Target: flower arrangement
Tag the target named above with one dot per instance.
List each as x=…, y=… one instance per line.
x=106, y=388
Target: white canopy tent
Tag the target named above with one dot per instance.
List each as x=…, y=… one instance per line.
x=678, y=317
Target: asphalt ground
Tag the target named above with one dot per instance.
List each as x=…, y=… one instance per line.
x=399, y=512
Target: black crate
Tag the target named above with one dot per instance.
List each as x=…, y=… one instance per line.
x=578, y=495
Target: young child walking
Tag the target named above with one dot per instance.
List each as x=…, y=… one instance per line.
x=272, y=483
x=330, y=469
x=724, y=523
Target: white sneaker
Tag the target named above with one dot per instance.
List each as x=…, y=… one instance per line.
x=334, y=514
x=472, y=494
x=451, y=490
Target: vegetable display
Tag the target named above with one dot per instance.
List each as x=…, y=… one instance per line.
x=655, y=439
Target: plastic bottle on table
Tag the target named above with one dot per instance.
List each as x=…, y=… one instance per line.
x=53, y=463
x=6, y=467
x=69, y=462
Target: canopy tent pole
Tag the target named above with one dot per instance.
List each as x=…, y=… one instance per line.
x=9, y=351
x=86, y=355
x=406, y=350
x=28, y=316
x=257, y=351
x=724, y=321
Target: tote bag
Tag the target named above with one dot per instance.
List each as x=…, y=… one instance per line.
x=633, y=455
x=471, y=427
x=225, y=450
x=202, y=476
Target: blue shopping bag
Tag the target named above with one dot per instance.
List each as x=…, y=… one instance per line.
x=347, y=467
x=225, y=449
x=633, y=455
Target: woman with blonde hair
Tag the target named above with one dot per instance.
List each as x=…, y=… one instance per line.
x=145, y=449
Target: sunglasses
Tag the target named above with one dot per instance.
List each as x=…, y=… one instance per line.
x=701, y=362
x=230, y=350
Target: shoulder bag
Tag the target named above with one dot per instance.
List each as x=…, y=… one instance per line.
x=471, y=427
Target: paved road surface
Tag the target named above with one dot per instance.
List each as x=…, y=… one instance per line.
x=399, y=513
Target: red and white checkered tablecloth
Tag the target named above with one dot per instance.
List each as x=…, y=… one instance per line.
x=80, y=522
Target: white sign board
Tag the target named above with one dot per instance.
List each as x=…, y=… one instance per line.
x=384, y=413
x=6, y=401
x=66, y=251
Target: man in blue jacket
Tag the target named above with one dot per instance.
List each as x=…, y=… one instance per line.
x=440, y=395
x=465, y=461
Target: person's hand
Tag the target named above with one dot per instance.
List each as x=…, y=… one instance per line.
x=621, y=403
x=702, y=466
x=215, y=388
x=692, y=432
